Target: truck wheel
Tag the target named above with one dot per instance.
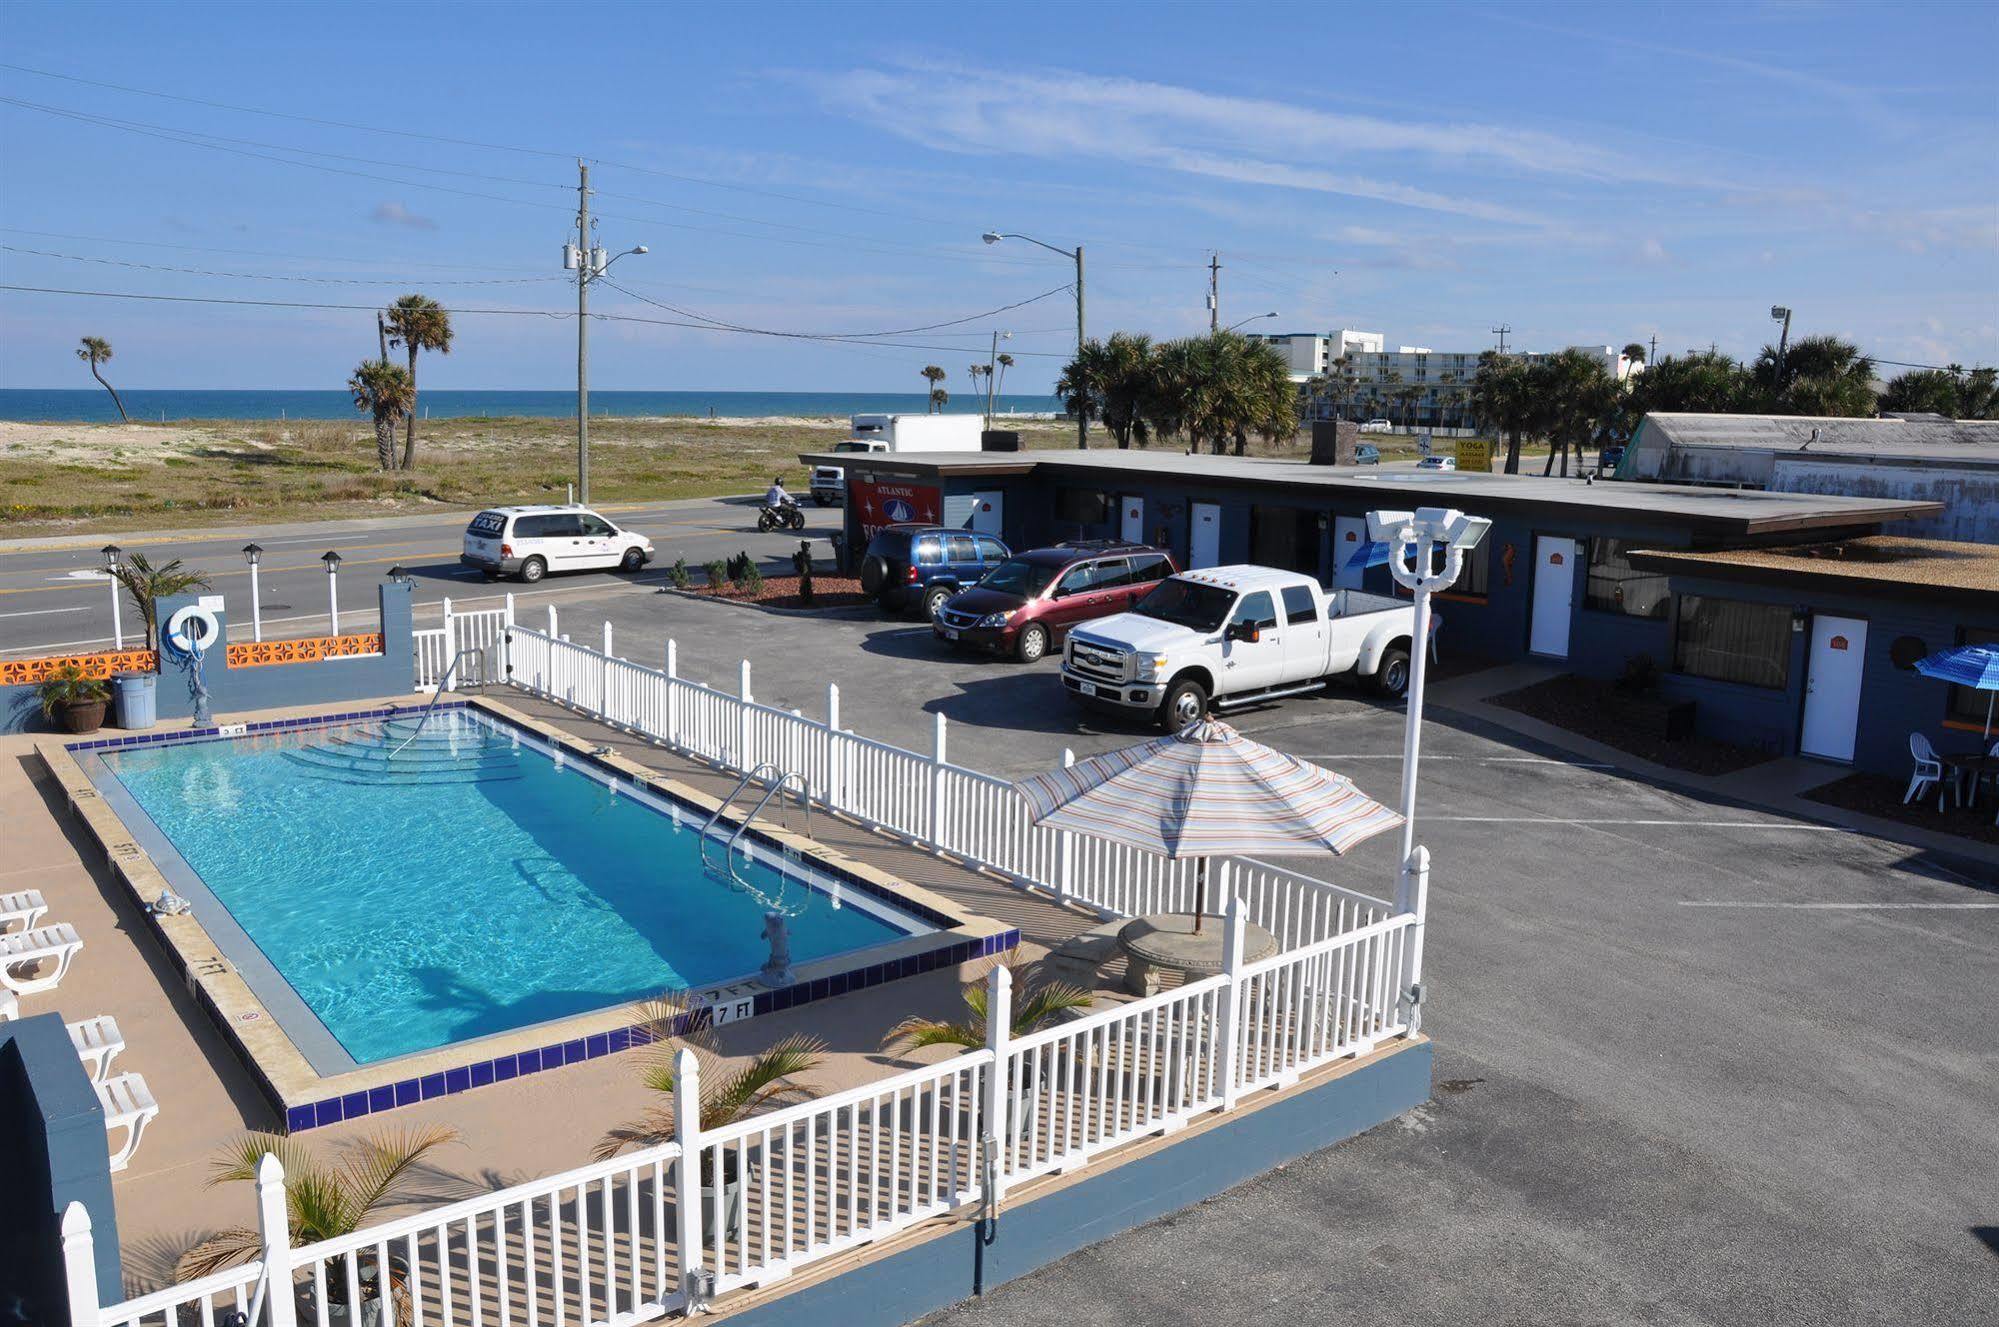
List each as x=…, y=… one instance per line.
x=1032, y=643
x=1391, y=675
x=1186, y=702
x=934, y=601
x=874, y=574
x=533, y=570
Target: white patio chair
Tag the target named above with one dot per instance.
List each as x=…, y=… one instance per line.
x=1928, y=773
x=97, y=1041
x=10, y=1006
x=23, y=908
x=26, y=949
x=127, y=1105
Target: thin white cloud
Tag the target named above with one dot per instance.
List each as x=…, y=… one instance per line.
x=395, y=214
x=1071, y=115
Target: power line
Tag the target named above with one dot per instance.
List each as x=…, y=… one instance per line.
x=840, y=336
x=248, y=253
x=272, y=276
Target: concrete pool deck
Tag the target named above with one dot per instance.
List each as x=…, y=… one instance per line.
x=509, y=1132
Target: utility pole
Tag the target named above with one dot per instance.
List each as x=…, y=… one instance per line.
x=1653, y=357
x=1082, y=416
x=1781, y=314
x=583, y=266
x=1214, y=292
x=1501, y=332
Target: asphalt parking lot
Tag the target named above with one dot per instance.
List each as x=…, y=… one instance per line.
x=1696, y=1063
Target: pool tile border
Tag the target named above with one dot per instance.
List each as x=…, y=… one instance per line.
x=229, y=1002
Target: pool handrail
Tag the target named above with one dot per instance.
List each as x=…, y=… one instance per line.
x=783, y=780
x=443, y=685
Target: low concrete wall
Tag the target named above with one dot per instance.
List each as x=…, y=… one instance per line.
x=52, y=1153
x=939, y=1272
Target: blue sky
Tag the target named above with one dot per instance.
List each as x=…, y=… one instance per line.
x=1584, y=173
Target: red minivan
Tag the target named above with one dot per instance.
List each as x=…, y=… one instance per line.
x=1025, y=606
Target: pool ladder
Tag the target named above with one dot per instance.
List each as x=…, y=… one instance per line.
x=776, y=782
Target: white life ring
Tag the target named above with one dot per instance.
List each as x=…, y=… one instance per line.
x=208, y=629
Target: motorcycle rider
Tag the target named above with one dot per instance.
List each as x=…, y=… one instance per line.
x=775, y=497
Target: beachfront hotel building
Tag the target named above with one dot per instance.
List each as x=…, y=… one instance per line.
x=1437, y=383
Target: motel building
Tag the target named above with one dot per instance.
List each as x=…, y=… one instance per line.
x=1792, y=621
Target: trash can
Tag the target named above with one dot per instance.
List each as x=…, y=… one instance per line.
x=133, y=694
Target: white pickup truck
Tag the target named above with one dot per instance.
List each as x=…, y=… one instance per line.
x=1231, y=636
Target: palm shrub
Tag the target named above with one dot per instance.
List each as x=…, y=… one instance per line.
x=147, y=584
x=68, y=685
x=729, y=1091
x=1036, y=1003
x=323, y=1199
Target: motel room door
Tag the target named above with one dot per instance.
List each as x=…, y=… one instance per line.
x=1131, y=526
x=1832, y=687
x=1349, y=538
x=1554, y=595
x=1204, y=535
x=987, y=511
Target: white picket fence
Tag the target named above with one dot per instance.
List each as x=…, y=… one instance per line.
x=925, y=799
x=435, y=647
x=747, y=1203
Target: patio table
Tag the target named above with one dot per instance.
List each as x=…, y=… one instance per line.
x=1979, y=767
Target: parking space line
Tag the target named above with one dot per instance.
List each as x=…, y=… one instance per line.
x=1598, y=822
x=1844, y=907
x=1477, y=760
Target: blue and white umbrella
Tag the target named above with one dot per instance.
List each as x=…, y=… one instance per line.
x=1975, y=666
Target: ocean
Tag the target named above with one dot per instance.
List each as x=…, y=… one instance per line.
x=94, y=404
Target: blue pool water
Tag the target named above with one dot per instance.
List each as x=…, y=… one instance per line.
x=464, y=886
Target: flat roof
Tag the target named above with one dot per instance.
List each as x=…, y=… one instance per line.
x=1920, y=438
x=1714, y=510
x=1876, y=564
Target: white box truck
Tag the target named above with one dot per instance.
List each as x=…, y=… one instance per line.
x=896, y=433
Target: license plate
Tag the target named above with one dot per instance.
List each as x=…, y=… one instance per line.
x=948, y=633
x=1087, y=688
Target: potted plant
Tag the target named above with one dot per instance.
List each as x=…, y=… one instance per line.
x=729, y=1091
x=74, y=700
x=322, y=1200
x=1036, y=1004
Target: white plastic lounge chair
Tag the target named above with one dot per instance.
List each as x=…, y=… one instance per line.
x=10, y=1006
x=97, y=1041
x=129, y=1105
x=21, y=909
x=21, y=952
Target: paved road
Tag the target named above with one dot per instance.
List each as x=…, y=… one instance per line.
x=53, y=594
x=1696, y=1064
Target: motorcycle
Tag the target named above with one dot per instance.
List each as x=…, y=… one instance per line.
x=786, y=516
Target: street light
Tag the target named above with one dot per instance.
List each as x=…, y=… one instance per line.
x=1778, y=313
x=253, y=555
x=111, y=555
x=332, y=561
x=1422, y=532
x=1252, y=318
x=399, y=575
x=994, y=237
x=589, y=264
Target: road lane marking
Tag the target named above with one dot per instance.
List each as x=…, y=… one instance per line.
x=44, y=612
x=1479, y=760
x=406, y=555
x=1593, y=823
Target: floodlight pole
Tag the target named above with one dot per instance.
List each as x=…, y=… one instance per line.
x=1418, y=578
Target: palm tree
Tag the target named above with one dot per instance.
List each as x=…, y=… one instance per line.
x=147, y=584
x=933, y=375
x=939, y=398
x=1035, y=1005
x=1220, y=388
x=1080, y=385
x=1822, y=375
x=1578, y=400
x=1126, y=386
x=1634, y=351
x=322, y=1200
x=1005, y=362
x=387, y=393
x=1502, y=398
x=417, y=322
x=672, y=1022
x=96, y=350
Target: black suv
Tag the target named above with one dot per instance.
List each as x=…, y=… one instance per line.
x=924, y=565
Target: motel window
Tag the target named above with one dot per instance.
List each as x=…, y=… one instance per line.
x=1615, y=586
x=1729, y=640
x=1286, y=537
x=1967, y=704
x=1082, y=506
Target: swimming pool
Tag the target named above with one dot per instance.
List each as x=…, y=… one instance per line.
x=384, y=902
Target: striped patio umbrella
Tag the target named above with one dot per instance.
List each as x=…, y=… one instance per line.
x=1968, y=666
x=1206, y=791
